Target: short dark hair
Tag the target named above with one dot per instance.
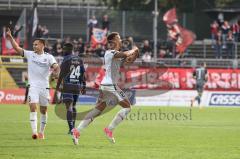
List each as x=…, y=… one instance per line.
x=40, y=40
x=67, y=47
x=111, y=36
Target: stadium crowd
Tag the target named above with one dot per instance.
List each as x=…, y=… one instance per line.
x=224, y=37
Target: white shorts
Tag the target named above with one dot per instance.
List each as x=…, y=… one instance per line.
x=39, y=95
x=111, y=94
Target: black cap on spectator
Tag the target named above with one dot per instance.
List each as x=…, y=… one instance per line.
x=67, y=48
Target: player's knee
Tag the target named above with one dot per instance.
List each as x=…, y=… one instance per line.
x=69, y=108
x=125, y=104
x=43, y=109
x=33, y=107
x=74, y=109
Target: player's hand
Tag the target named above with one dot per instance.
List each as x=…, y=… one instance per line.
x=8, y=34
x=83, y=91
x=136, y=49
x=54, y=75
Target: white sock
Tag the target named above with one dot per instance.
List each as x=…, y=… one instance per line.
x=43, y=120
x=88, y=119
x=33, y=121
x=120, y=116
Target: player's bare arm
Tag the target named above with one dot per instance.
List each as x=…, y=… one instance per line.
x=60, y=77
x=15, y=45
x=83, y=89
x=56, y=70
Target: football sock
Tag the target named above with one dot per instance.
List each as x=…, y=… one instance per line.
x=88, y=119
x=43, y=123
x=70, y=118
x=120, y=116
x=74, y=115
x=33, y=121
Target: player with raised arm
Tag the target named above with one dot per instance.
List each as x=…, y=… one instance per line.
x=109, y=89
x=200, y=74
x=73, y=82
x=39, y=65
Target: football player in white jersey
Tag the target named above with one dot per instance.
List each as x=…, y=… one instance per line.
x=109, y=89
x=39, y=65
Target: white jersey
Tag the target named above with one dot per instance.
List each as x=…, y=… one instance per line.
x=112, y=67
x=39, y=68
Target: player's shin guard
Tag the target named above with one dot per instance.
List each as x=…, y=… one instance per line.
x=88, y=119
x=43, y=123
x=120, y=116
x=33, y=121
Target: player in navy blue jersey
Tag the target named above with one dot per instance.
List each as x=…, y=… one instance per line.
x=72, y=82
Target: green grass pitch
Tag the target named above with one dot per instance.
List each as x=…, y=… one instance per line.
x=209, y=133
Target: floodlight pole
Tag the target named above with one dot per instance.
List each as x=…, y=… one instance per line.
x=155, y=26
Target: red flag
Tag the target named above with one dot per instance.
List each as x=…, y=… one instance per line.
x=185, y=39
x=181, y=36
x=98, y=37
x=170, y=17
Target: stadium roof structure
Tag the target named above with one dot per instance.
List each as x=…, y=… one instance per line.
x=229, y=13
x=77, y=4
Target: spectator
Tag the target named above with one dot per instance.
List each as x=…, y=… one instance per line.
x=236, y=30
x=57, y=48
x=218, y=47
x=92, y=23
x=225, y=29
x=105, y=23
x=146, y=48
x=75, y=47
x=164, y=53
x=48, y=48
x=99, y=50
x=81, y=46
x=88, y=50
x=67, y=39
x=39, y=31
x=230, y=44
x=214, y=31
x=147, y=57
x=45, y=31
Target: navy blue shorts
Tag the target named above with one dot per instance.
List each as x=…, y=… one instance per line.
x=69, y=97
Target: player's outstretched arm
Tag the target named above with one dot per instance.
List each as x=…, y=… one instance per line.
x=126, y=53
x=15, y=45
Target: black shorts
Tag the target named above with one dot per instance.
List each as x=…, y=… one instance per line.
x=70, y=97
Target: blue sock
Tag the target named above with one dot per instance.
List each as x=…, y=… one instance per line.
x=74, y=115
x=70, y=119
